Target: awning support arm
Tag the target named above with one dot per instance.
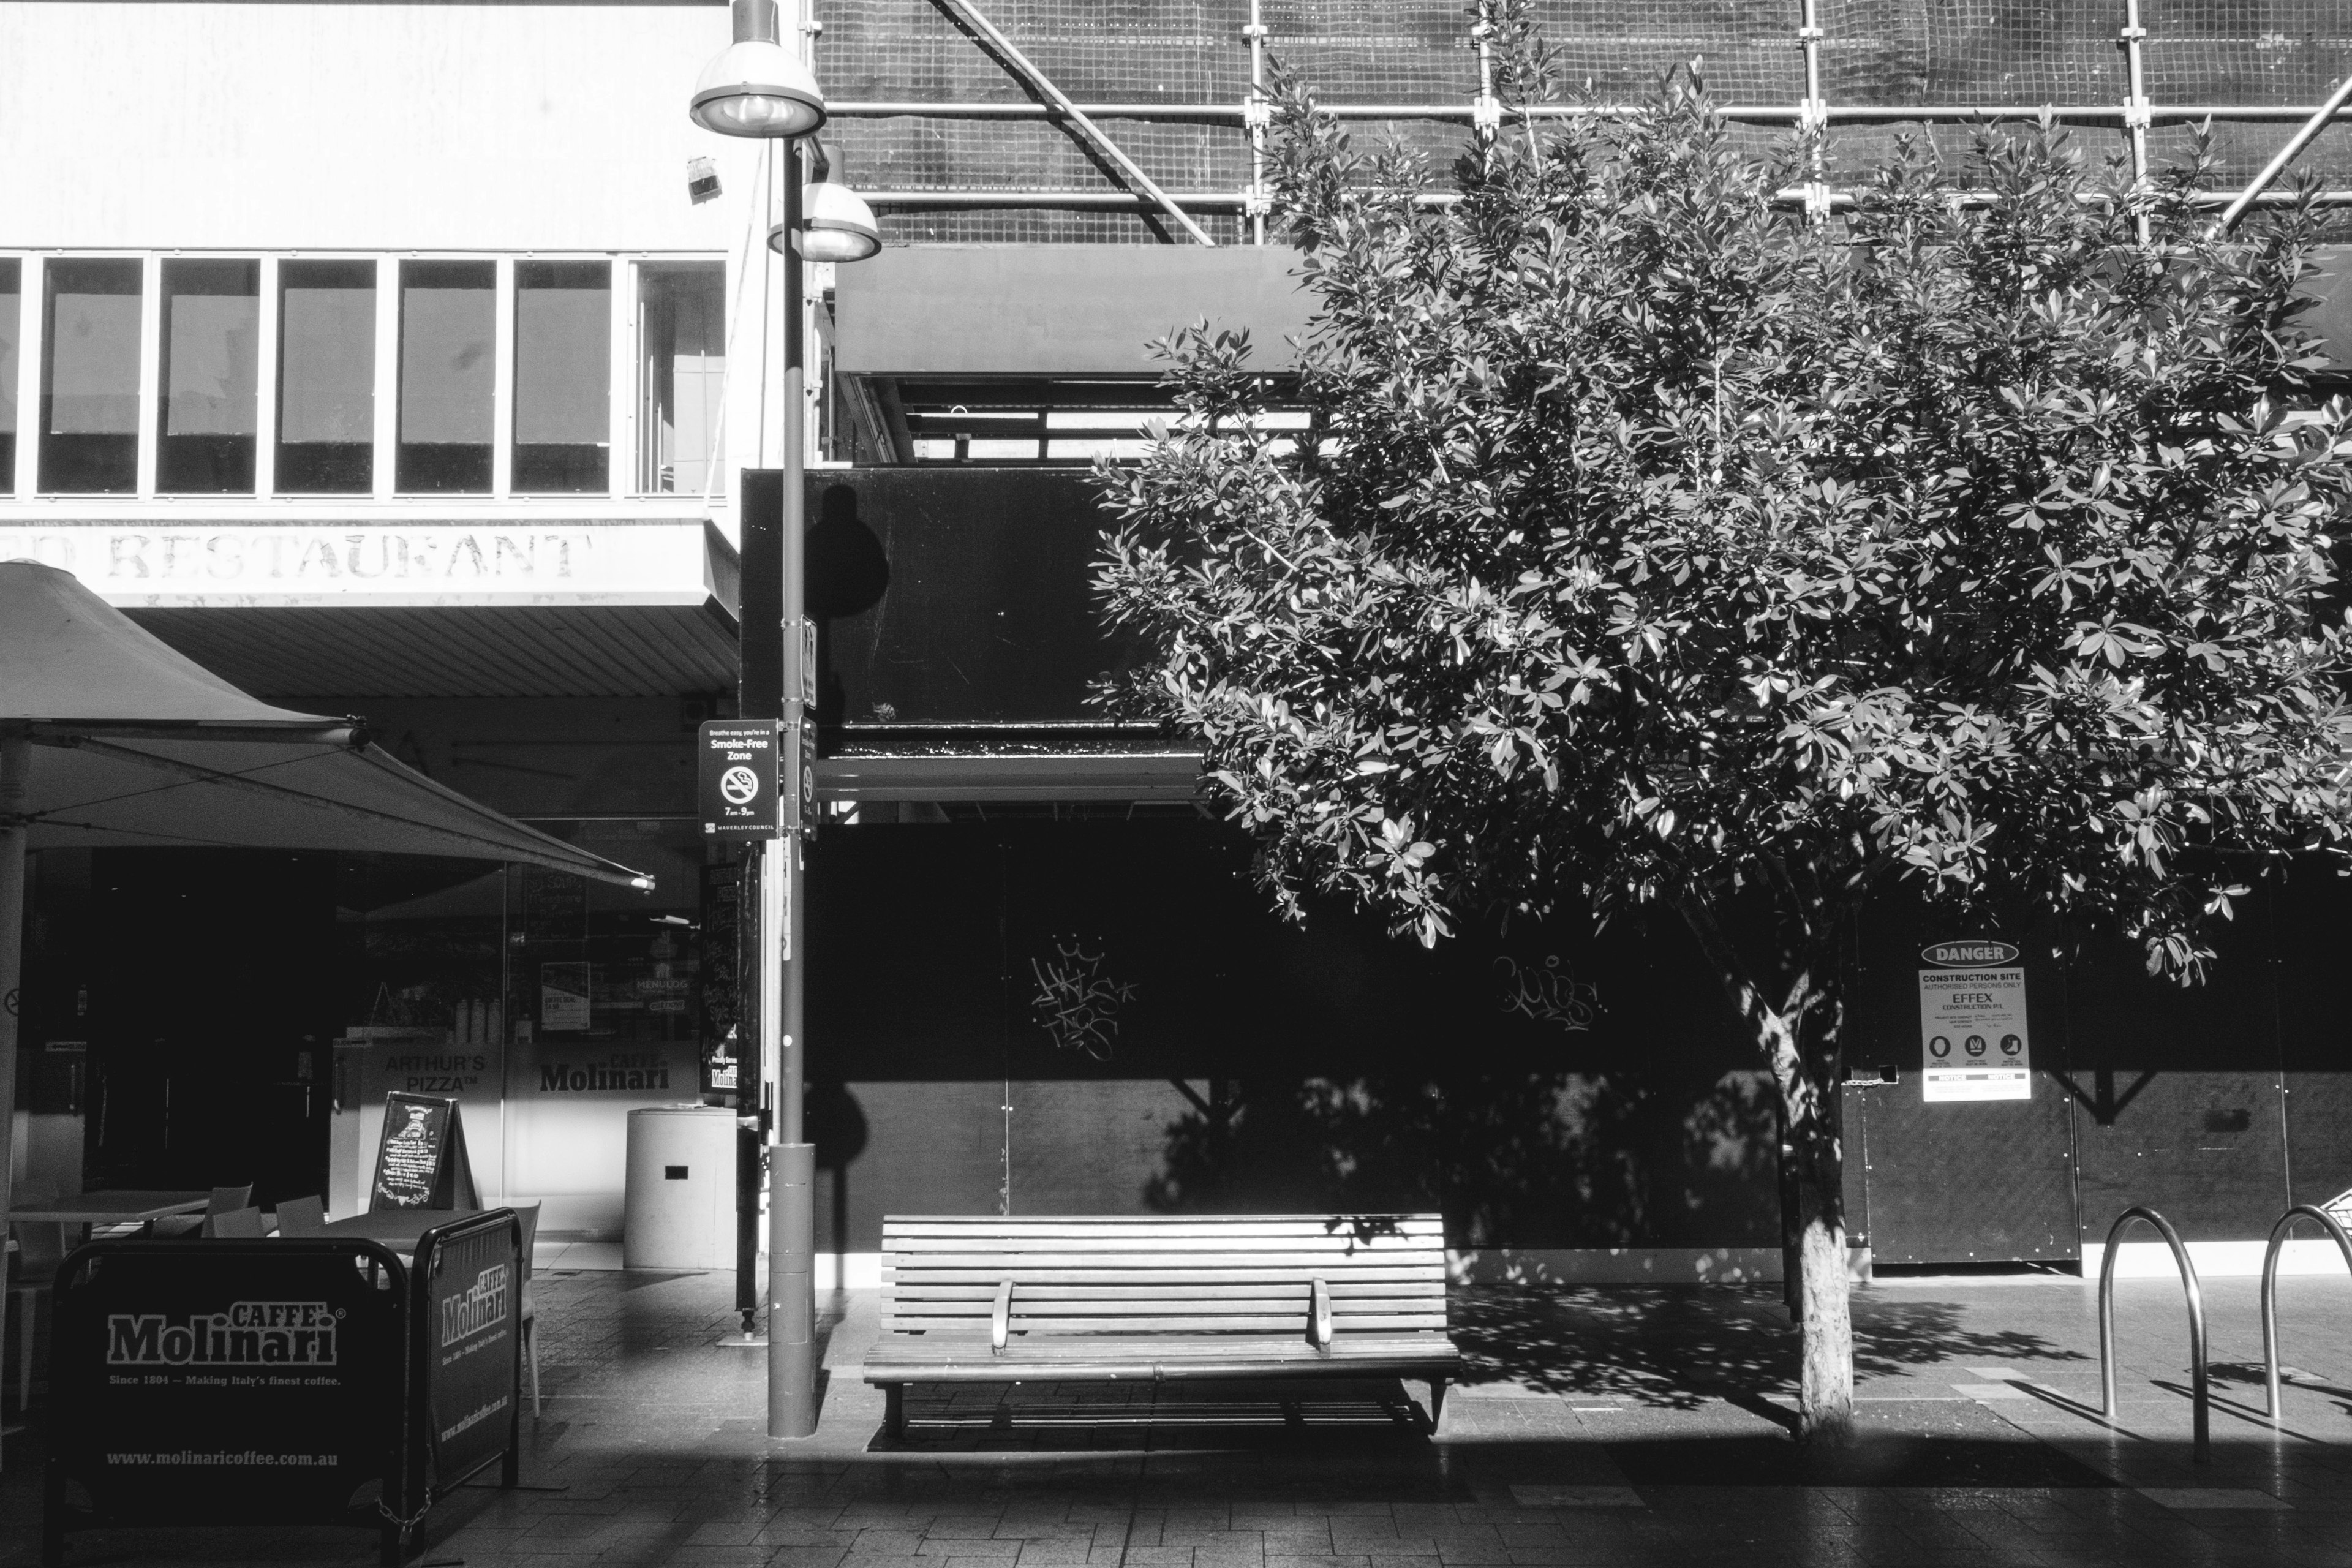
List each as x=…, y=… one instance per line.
x=1037, y=81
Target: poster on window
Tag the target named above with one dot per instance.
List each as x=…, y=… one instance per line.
x=1972, y=1033
x=563, y=997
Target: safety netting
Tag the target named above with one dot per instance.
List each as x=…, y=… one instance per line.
x=2001, y=58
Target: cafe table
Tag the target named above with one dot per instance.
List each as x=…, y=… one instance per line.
x=122, y=1205
x=399, y=1229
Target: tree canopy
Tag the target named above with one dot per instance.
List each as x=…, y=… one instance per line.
x=1651, y=542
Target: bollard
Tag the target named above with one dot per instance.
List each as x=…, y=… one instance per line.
x=791, y=1290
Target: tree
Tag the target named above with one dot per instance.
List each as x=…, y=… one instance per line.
x=1649, y=546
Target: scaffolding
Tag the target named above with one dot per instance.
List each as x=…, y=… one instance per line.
x=1123, y=119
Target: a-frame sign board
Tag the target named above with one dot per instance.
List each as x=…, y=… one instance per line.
x=420, y=1162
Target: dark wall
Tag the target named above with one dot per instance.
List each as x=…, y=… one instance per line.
x=1199, y=1055
x=957, y=596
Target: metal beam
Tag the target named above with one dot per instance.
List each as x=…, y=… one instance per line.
x=1039, y=82
x=1462, y=113
x=1238, y=201
x=2287, y=154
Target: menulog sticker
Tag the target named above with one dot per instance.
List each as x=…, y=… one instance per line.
x=1972, y=1031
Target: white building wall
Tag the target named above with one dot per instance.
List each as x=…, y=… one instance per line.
x=435, y=127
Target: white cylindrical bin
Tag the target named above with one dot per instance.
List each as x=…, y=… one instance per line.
x=680, y=1210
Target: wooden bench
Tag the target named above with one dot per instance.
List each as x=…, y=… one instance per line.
x=1046, y=1298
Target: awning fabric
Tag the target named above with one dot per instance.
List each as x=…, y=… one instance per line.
x=136, y=745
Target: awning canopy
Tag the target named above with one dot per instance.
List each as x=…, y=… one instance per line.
x=134, y=744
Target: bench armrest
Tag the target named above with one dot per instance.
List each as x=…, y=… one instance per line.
x=1322, y=1308
x=999, y=1317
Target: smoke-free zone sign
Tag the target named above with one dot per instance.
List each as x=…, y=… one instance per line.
x=1972, y=1034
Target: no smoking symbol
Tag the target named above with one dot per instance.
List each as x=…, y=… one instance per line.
x=739, y=785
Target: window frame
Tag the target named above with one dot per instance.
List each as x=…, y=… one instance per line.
x=623, y=393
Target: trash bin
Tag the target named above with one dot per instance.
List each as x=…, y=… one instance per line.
x=679, y=1211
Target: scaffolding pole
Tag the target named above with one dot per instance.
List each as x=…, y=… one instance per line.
x=1039, y=82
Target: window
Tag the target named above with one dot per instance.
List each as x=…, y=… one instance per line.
x=326, y=377
x=205, y=424
x=447, y=322
x=12, y=308
x=90, y=378
x=682, y=368
x=563, y=377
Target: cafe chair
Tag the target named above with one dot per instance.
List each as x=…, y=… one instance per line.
x=302, y=1217
x=238, y=1224
x=224, y=1200
x=40, y=1252
x=529, y=1214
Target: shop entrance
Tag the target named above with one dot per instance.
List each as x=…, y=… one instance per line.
x=211, y=996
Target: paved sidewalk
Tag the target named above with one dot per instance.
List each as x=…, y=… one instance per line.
x=1601, y=1428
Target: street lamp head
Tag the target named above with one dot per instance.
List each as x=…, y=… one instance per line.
x=755, y=88
x=836, y=225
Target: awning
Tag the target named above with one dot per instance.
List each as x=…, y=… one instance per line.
x=545, y=608
x=134, y=744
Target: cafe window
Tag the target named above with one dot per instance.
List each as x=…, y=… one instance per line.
x=681, y=374
x=562, y=378
x=90, y=377
x=206, y=421
x=12, y=308
x=326, y=377
x=447, y=322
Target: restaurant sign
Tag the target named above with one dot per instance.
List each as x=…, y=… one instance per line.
x=156, y=566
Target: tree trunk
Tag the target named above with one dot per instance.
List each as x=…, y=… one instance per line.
x=1807, y=1080
x=1800, y=1029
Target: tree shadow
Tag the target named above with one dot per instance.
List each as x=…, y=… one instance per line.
x=1679, y=1348
x=1541, y=1159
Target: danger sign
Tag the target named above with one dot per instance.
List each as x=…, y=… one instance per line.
x=1972, y=1034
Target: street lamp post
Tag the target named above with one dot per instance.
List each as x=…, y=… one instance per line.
x=756, y=88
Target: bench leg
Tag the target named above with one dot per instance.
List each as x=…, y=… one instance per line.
x=894, y=1408
x=1436, y=1401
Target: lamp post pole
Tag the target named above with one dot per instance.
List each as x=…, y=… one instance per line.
x=792, y=1161
x=756, y=88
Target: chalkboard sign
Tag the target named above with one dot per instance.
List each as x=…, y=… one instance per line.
x=420, y=1162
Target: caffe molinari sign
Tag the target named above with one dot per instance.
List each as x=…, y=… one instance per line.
x=156, y=566
x=628, y=1069
x=258, y=1381
x=1972, y=1034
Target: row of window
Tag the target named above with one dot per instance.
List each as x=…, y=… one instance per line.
x=186, y=377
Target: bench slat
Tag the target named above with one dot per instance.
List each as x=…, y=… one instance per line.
x=1182, y=1323
x=1160, y=1228
x=982, y=1276
x=1342, y=1292
x=1168, y=1246
x=1172, y=1262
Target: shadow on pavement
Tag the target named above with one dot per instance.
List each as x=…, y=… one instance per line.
x=1680, y=1348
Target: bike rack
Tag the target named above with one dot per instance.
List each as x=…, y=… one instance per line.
x=2336, y=1233
x=2200, y=1391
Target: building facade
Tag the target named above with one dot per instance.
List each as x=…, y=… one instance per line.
x=401, y=359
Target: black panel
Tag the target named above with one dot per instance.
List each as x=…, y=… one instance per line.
x=957, y=596
x=2178, y=1088
x=2314, y=918
x=442, y=467
x=1201, y=1056
x=1953, y=1182
x=326, y=467
x=548, y=467
x=203, y=465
